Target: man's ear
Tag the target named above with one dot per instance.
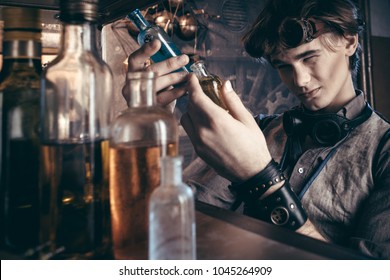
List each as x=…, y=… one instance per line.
x=351, y=43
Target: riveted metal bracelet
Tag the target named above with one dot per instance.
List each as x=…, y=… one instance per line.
x=281, y=208
x=256, y=186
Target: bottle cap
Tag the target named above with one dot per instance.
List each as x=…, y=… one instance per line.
x=21, y=19
x=21, y=23
x=79, y=11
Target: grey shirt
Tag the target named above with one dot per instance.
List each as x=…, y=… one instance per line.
x=348, y=201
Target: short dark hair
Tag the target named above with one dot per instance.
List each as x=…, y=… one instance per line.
x=341, y=17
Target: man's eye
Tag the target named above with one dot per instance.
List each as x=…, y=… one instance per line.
x=310, y=58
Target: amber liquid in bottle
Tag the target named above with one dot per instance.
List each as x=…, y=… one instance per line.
x=212, y=87
x=211, y=84
x=137, y=168
x=76, y=177
x=139, y=137
x=77, y=89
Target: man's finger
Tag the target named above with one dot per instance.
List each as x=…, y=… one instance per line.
x=169, y=65
x=174, y=79
x=136, y=61
x=234, y=104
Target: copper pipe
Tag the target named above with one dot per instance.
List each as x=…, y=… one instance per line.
x=366, y=56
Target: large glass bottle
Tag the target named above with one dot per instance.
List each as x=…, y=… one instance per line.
x=76, y=114
x=172, y=215
x=140, y=136
x=210, y=83
x=19, y=143
x=149, y=32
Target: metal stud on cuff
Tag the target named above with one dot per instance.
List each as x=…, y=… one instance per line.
x=281, y=208
x=255, y=187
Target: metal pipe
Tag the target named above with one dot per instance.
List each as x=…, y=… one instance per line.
x=366, y=56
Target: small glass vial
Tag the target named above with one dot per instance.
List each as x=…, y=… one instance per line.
x=172, y=216
x=149, y=32
x=140, y=136
x=210, y=83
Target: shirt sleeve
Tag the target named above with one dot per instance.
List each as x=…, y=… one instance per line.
x=208, y=186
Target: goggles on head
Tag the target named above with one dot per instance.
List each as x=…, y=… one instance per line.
x=294, y=32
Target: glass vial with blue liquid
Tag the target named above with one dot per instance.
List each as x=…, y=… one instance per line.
x=149, y=32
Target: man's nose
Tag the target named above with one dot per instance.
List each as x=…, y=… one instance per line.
x=301, y=76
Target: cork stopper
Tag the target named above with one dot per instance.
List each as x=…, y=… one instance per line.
x=79, y=11
x=21, y=23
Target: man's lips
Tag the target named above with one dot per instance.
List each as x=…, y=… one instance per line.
x=309, y=93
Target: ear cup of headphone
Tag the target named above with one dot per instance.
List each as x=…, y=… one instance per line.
x=293, y=122
x=325, y=129
x=326, y=132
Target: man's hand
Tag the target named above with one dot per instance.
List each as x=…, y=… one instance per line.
x=308, y=229
x=166, y=78
x=231, y=143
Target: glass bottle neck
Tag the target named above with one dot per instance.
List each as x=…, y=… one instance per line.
x=21, y=55
x=141, y=92
x=171, y=171
x=22, y=49
x=199, y=69
x=77, y=38
x=139, y=20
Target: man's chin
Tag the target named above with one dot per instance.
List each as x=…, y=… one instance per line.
x=311, y=106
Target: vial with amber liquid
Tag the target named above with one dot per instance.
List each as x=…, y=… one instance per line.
x=210, y=83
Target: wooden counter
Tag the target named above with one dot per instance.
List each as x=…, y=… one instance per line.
x=224, y=235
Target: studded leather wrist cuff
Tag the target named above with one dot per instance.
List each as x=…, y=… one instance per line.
x=256, y=186
x=282, y=208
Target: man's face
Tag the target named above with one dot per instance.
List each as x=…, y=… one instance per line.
x=318, y=76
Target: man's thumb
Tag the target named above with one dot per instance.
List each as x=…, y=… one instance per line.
x=233, y=103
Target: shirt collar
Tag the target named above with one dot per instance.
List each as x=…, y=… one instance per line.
x=354, y=107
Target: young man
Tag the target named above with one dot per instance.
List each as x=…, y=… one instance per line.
x=323, y=168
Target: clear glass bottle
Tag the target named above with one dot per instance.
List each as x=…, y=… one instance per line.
x=140, y=136
x=210, y=83
x=76, y=114
x=148, y=32
x=19, y=143
x=172, y=233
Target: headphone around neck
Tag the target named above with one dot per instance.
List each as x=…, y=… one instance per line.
x=324, y=129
